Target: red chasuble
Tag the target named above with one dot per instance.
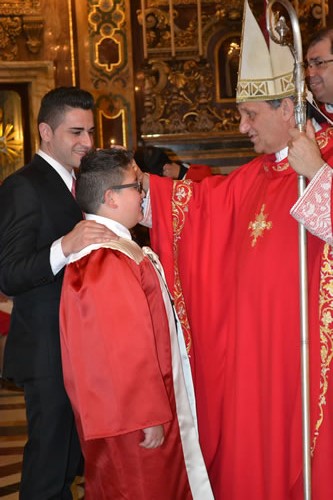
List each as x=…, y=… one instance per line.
x=230, y=251
x=121, y=378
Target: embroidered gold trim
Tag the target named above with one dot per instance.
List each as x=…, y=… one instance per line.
x=182, y=194
x=279, y=87
x=324, y=137
x=281, y=167
x=326, y=332
x=128, y=247
x=259, y=225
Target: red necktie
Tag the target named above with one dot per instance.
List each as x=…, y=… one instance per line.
x=73, y=189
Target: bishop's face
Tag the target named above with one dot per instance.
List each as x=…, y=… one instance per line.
x=267, y=127
x=320, y=71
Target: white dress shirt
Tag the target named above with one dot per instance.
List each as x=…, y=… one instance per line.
x=57, y=258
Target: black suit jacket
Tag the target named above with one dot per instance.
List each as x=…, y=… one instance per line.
x=36, y=208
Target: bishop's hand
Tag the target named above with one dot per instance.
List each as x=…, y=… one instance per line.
x=304, y=155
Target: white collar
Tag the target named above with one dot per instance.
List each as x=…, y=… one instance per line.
x=115, y=226
x=281, y=155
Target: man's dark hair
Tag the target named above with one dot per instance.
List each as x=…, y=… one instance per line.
x=99, y=170
x=56, y=102
x=319, y=36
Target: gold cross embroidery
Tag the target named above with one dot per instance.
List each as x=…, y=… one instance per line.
x=259, y=225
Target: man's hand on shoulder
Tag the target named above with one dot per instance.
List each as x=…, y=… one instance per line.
x=86, y=232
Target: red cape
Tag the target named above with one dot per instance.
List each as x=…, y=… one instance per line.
x=117, y=366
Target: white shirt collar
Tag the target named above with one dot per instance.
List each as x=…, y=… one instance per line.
x=281, y=155
x=116, y=227
x=66, y=176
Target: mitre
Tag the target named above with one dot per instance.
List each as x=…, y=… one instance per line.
x=265, y=72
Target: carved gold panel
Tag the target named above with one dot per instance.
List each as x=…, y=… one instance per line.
x=116, y=134
x=107, y=36
x=33, y=27
x=18, y=20
x=11, y=133
x=39, y=76
x=111, y=70
x=189, y=79
x=226, y=60
x=19, y=7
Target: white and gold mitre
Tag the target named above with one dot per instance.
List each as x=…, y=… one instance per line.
x=264, y=73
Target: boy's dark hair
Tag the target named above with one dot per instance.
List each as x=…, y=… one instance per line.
x=99, y=170
x=56, y=102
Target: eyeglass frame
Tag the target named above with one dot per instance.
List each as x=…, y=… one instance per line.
x=317, y=63
x=137, y=185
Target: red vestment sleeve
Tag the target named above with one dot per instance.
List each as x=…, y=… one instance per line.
x=112, y=368
x=161, y=234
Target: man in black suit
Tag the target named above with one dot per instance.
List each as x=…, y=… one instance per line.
x=40, y=225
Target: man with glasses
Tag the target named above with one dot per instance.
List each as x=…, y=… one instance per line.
x=319, y=69
x=132, y=406
x=313, y=209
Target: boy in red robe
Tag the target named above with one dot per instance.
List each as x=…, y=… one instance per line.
x=122, y=366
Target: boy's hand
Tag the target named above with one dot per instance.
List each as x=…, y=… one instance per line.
x=154, y=437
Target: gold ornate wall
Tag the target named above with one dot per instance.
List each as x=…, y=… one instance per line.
x=188, y=75
x=187, y=79
x=162, y=71
x=105, y=67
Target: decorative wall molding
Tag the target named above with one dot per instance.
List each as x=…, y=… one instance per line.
x=39, y=76
x=111, y=70
x=33, y=27
x=19, y=7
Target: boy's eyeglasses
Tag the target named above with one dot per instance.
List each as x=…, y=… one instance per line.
x=317, y=63
x=136, y=185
